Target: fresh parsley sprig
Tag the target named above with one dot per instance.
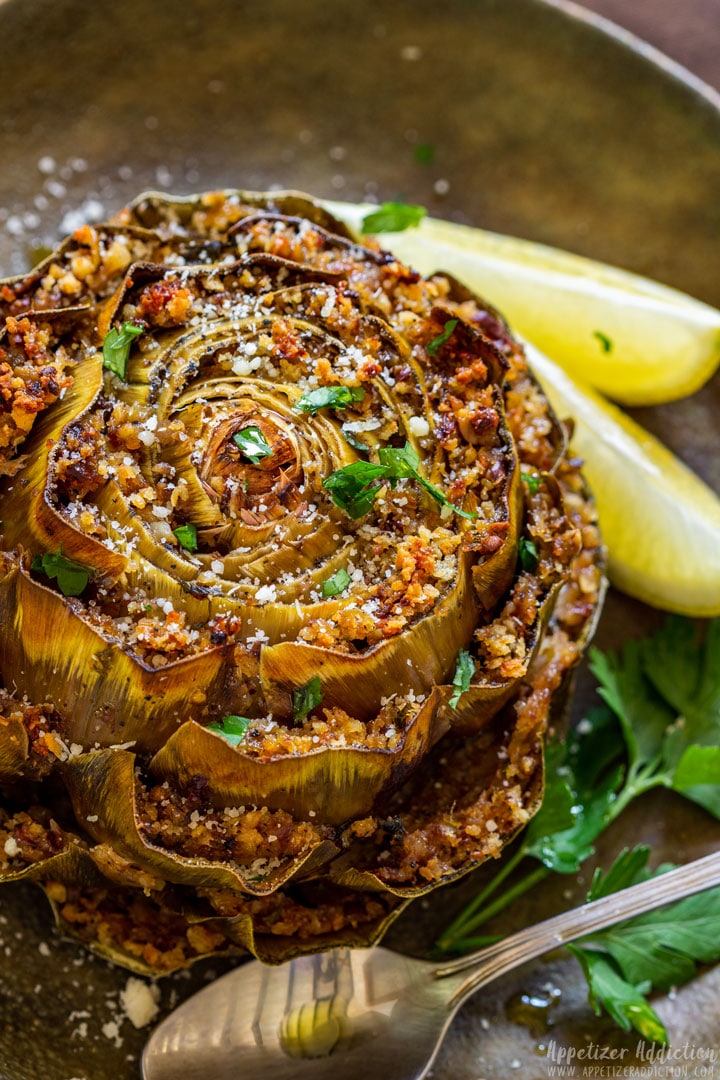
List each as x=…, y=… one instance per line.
x=337, y=584
x=437, y=342
x=354, y=490
x=659, y=727
x=117, y=345
x=657, y=950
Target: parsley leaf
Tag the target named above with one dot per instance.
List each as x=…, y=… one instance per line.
x=624, y=1002
x=658, y=950
x=333, y=397
x=352, y=487
x=665, y=691
x=252, y=444
x=403, y=463
x=187, y=536
x=393, y=217
x=116, y=347
x=306, y=698
x=464, y=671
x=336, y=584
x=233, y=728
x=437, y=342
x=527, y=553
x=606, y=343
x=72, y=577
x=533, y=482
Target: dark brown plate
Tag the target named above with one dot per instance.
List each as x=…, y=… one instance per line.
x=543, y=126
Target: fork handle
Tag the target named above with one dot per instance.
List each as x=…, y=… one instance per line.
x=495, y=960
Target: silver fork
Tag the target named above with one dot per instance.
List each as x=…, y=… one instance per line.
x=354, y=1013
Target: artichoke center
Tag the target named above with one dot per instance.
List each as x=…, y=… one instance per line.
x=253, y=479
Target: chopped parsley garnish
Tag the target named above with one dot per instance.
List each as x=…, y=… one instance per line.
x=439, y=341
x=306, y=698
x=527, y=553
x=72, y=577
x=233, y=728
x=332, y=397
x=336, y=584
x=353, y=490
x=393, y=217
x=658, y=727
x=352, y=487
x=116, y=348
x=424, y=153
x=252, y=444
x=533, y=482
x=464, y=671
x=187, y=536
x=606, y=343
x=352, y=440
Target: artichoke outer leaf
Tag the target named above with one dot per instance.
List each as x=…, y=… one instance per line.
x=333, y=784
x=106, y=694
x=102, y=784
x=29, y=518
x=365, y=878
x=152, y=209
x=131, y=960
x=279, y=949
x=72, y=865
x=418, y=659
x=486, y=696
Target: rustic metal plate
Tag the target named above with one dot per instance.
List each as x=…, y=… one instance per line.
x=543, y=126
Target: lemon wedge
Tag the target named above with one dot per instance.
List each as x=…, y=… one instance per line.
x=660, y=522
x=639, y=342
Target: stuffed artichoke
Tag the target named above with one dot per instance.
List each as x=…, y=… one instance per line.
x=295, y=563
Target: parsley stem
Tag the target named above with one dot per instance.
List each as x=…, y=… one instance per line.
x=465, y=918
x=449, y=941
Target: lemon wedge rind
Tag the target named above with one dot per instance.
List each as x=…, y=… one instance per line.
x=639, y=342
x=660, y=522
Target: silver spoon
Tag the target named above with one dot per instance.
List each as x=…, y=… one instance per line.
x=351, y=1012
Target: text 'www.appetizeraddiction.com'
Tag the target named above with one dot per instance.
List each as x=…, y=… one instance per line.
x=647, y=1061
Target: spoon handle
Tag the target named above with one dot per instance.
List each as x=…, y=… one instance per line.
x=503, y=956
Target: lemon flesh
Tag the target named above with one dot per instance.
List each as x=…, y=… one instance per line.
x=639, y=342
x=660, y=522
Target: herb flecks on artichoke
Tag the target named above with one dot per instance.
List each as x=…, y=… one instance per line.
x=296, y=561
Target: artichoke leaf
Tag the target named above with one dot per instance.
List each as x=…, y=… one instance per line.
x=153, y=210
x=352, y=870
x=486, y=696
x=72, y=864
x=106, y=694
x=421, y=657
x=102, y=787
x=24, y=286
x=279, y=949
x=162, y=924
x=331, y=785
x=30, y=519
